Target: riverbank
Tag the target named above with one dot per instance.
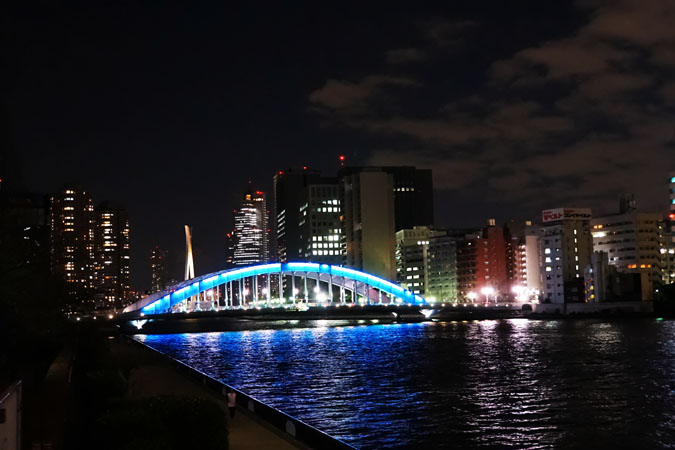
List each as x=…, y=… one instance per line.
x=274, y=319
x=153, y=375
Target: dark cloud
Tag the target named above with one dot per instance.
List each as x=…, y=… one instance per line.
x=405, y=55
x=443, y=32
x=574, y=120
x=346, y=96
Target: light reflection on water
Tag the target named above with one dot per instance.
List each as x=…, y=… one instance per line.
x=489, y=384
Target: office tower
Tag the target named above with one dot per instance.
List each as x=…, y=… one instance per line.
x=369, y=221
x=320, y=227
x=565, y=247
x=290, y=193
x=426, y=263
x=413, y=194
x=229, y=250
x=111, y=255
x=631, y=240
x=159, y=269
x=251, y=230
x=71, y=235
x=482, y=263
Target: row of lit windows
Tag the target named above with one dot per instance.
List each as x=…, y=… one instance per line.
x=326, y=245
x=326, y=252
x=334, y=237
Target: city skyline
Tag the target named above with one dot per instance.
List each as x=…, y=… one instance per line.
x=511, y=122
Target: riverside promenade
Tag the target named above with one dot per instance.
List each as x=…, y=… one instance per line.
x=153, y=375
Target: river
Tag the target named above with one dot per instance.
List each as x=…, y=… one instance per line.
x=514, y=383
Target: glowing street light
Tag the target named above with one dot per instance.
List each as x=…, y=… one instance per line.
x=487, y=291
x=472, y=296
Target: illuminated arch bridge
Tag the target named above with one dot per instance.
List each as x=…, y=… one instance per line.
x=276, y=285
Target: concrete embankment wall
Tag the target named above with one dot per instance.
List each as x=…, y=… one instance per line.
x=282, y=422
x=595, y=308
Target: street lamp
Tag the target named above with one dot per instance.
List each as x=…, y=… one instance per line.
x=487, y=291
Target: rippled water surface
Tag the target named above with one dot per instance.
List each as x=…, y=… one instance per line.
x=484, y=384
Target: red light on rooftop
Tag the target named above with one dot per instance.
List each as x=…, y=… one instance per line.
x=259, y=192
x=281, y=172
x=671, y=216
x=342, y=157
x=304, y=167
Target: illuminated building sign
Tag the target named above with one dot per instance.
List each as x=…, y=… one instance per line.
x=551, y=215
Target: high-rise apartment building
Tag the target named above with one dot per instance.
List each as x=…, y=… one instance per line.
x=631, y=240
x=112, y=254
x=71, y=236
x=426, y=263
x=251, y=230
x=667, y=250
x=159, y=269
x=368, y=212
x=668, y=236
x=320, y=226
x=565, y=246
x=24, y=234
x=482, y=262
x=413, y=194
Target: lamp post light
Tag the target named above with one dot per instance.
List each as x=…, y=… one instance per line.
x=487, y=291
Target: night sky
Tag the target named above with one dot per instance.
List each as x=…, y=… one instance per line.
x=171, y=110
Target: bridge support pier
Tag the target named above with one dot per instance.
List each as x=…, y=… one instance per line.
x=293, y=287
x=269, y=290
x=330, y=288
x=241, y=292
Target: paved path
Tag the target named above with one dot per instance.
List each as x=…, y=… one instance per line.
x=153, y=375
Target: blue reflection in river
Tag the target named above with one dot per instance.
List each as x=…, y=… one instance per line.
x=489, y=384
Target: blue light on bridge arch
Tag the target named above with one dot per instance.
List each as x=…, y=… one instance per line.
x=210, y=281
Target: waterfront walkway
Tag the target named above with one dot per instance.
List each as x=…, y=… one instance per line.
x=153, y=375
